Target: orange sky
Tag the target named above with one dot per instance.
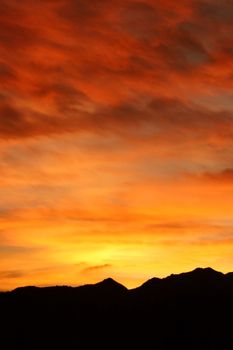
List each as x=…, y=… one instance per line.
x=116, y=139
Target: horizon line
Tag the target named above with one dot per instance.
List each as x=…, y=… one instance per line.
x=114, y=280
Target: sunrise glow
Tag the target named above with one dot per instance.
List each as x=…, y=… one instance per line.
x=116, y=139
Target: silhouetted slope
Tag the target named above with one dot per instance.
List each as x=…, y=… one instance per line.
x=191, y=310
x=196, y=281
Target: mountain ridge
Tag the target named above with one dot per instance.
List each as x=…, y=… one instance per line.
x=191, y=310
x=110, y=282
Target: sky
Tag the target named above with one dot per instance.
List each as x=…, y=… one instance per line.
x=116, y=139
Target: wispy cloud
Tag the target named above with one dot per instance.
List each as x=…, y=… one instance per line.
x=116, y=137
x=96, y=267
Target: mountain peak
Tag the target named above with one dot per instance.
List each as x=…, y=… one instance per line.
x=151, y=282
x=197, y=276
x=110, y=283
x=206, y=271
x=199, y=271
x=109, y=280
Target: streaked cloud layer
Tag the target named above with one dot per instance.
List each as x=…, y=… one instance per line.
x=116, y=139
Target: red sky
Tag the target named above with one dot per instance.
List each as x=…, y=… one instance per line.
x=116, y=139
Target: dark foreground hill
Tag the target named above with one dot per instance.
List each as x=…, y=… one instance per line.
x=189, y=311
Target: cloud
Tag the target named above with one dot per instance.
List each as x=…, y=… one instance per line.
x=140, y=20
x=183, y=53
x=7, y=250
x=7, y=73
x=80, y=11
x=25, y=122
x=96, y=268
x=224, y=177
x=96, y=67
x=105, y=106
x=214, y=11
x=164, y=118
x=11, y=274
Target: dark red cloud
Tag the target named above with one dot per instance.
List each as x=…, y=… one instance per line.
x=159, y=120
x=114, y=66
x=225, y=176
x=215, y=11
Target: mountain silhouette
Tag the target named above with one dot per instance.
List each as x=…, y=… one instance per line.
x=191, y=310
x=110, y=285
